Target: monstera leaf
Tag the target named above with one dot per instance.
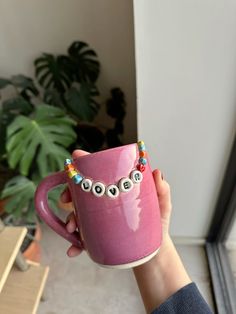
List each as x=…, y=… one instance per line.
x=52, y=72
x=85, y=62
x=10, y=109
x=4, y=82
x=19, y=192
x=40, y=141
x=81, y=101
x=24, y=84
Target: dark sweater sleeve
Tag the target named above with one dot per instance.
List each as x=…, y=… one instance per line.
x=186, y=300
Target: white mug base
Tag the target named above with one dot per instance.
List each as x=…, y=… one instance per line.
x=132, y=264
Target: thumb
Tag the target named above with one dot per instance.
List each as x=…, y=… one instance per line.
x=163, y=193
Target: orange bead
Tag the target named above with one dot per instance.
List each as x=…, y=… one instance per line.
x=142, y=153
x=69, y=167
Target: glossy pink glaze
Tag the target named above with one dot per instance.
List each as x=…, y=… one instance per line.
x=114, y=231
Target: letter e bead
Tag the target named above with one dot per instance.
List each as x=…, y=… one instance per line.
x=125, y=185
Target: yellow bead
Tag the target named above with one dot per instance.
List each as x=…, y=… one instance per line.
x=72, y=173
x=140, y=143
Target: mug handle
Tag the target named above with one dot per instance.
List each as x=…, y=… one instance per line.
x=46, y=213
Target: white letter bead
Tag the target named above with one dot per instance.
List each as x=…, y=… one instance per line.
x=86, y=185
x=136, y=176
x=112, y=191
x=125, y=185
x=98, y=189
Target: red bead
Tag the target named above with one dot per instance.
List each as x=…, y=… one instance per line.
x=141, y=167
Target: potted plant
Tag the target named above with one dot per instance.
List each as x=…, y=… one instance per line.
x=42, y=121
x=36, y=145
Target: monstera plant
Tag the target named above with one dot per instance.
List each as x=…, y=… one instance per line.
x=44, y=117
x=35, y=146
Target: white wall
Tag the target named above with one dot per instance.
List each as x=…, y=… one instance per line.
x=186, y=90
x=28, y=28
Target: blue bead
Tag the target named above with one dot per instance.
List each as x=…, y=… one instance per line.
x=77, y=178
x=67, y=162
x=141, y=147
x=143, y=161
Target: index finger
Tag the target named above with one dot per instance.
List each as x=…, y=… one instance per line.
x=78, y=153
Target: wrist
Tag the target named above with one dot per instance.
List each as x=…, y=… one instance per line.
x=162, y=276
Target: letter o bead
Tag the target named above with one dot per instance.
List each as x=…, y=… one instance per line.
x=86, y=184
x=125, y=185
x=98, y=189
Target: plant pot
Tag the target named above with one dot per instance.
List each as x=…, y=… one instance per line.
x=2, y=204
x=68, y=207
x=32, y=251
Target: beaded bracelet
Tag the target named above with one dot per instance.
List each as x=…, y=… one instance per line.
x=112, y=190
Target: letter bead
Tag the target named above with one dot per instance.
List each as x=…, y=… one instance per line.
x=77, y=178
x=112, y=191
x=125, y=185
x=98, y=189
x=86, y=185
x=72, y=173
x=136, y=176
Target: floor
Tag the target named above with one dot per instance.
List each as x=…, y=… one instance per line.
x=77, y=285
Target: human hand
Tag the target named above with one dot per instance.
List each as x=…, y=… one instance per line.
x=163, y=192
x=71, y=221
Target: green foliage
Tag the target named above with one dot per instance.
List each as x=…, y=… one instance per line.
x=81, y=102
x=42, y=139
x=4, y=82
x=11, y=108
x=37, y=126
x=20, y=193
x=24, y=85
x=51, y=73
x=84, y=63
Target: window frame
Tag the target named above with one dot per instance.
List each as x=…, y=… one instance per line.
x=224, y=291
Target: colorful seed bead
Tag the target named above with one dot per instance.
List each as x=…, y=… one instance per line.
x=142, y=154
x=69, y=167
x=140, y=143
x=141, y=167
x=67, y=162
x=77, y=178
x=143, y=161
x=141, y=148
x=71, y=173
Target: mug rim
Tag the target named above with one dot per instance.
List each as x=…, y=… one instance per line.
x=91, y=155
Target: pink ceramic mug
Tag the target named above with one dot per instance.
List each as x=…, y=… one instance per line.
x=119, y=226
